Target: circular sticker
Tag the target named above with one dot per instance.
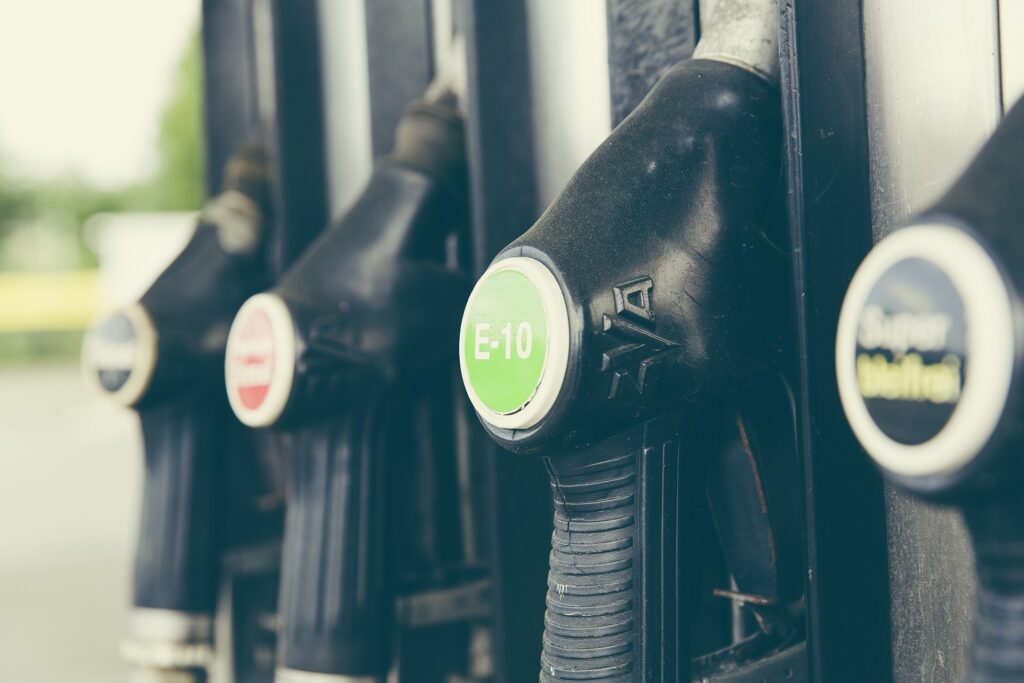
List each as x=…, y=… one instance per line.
x=114, y=350
x=924, y=350
x=119, y=354
x=259, y=360
x=253, y=359
x=514, y=343
x=911, y=351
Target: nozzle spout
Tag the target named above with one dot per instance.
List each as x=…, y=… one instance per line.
x=741, y=32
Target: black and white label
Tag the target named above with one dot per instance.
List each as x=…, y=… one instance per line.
x=911, y=351
x=113, y=352
x=925, y=350
x=119, y=355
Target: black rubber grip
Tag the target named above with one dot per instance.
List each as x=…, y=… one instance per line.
x=615, y=535
x=998, y=634
x=178, y=555
x=997, y=647
x=335, y=606
x=592, y=602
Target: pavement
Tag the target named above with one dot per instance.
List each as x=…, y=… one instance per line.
x=70, y=478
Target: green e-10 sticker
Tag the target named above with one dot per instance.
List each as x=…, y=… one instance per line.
x=505, y=341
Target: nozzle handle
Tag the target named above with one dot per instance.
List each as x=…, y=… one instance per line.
x=177, y=563
x=612, y=606
x=335, y=606
x=997, y=633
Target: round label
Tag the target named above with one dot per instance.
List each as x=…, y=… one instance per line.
x=506, y=341
x=119, y=355
x=514, y=343
x=252, y=359
x=259, y=360
x=925, y=350
x=911, y=352
x=114, y=351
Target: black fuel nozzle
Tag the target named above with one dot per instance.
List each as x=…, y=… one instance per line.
x=649, y=286
x=332, y=356
x=928, y=361
x=163, y=356
x=174, y=337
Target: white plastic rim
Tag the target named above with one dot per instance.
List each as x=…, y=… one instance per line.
x=284, y=675
x=163, y=639
x=556, y=358
x=282, y=375
x=143, y=364
x=147, y=623
x=989, y=321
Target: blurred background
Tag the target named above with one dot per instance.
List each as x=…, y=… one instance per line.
x=101, y=170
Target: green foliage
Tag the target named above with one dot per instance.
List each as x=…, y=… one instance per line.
x=177, y=184
x=15, y=200
x=63, y=205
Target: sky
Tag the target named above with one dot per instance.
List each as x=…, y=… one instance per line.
x=82, y=84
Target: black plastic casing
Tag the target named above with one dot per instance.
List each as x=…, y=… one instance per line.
x=372, y=299
x=184, y=410
x=680, y=195
x=181, y=534
x=193, y=302
x=376, y=306
x=667, y=249
x=987, y=202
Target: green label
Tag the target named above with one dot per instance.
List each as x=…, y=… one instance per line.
x=505, y=341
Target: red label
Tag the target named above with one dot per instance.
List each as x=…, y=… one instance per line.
x=252, y=359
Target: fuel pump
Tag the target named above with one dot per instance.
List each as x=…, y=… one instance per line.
x=928, y=362
x=163, y=356
x=650, y=289
x=334, y=357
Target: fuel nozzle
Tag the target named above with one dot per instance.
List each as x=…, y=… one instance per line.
x=163, y=356
x=928, y=362
x=332, y=356
x=175, y=334
x=650, y=285
x=371, y=297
